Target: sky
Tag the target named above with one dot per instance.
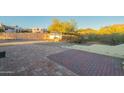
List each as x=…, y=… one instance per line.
x=94, y=22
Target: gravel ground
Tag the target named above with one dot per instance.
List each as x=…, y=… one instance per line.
x=30, y=60
x=114, y=51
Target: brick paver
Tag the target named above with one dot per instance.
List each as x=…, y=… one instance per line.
x=89, y=64
x=31, y=60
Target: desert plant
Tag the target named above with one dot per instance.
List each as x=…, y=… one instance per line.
x=1, y=30
x=62, y=26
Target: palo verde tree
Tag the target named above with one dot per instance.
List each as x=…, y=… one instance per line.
x=112, y=29
x=62, y=26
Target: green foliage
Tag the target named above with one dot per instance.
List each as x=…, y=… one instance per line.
x=86, y=31
x=112, y=39
x=70, y=38
x=62, y=26
x=1, y=30
x=113, y=35
x=111, y=29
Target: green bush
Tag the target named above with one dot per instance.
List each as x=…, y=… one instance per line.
x=1, y=30
x=112, y=39
x=91, y=37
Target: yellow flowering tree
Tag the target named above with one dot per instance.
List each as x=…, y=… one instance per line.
x=112, y=29
x=62, y=26
x=86, y=31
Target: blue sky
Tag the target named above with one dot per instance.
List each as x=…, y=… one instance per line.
x=44, y=21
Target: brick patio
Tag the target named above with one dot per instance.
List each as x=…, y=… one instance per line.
x=31, y=60
x=89, y=64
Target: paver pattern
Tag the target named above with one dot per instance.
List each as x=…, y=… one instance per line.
x=30, y=60
x=51, y=59
x=89, y=64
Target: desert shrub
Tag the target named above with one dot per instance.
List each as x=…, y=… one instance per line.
x=91, y=37
x=108, y=39
x=70, y=38
x=79, y=39
x=113, y=39
x=1, y=30
x=72, y=33
x=118, y=38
